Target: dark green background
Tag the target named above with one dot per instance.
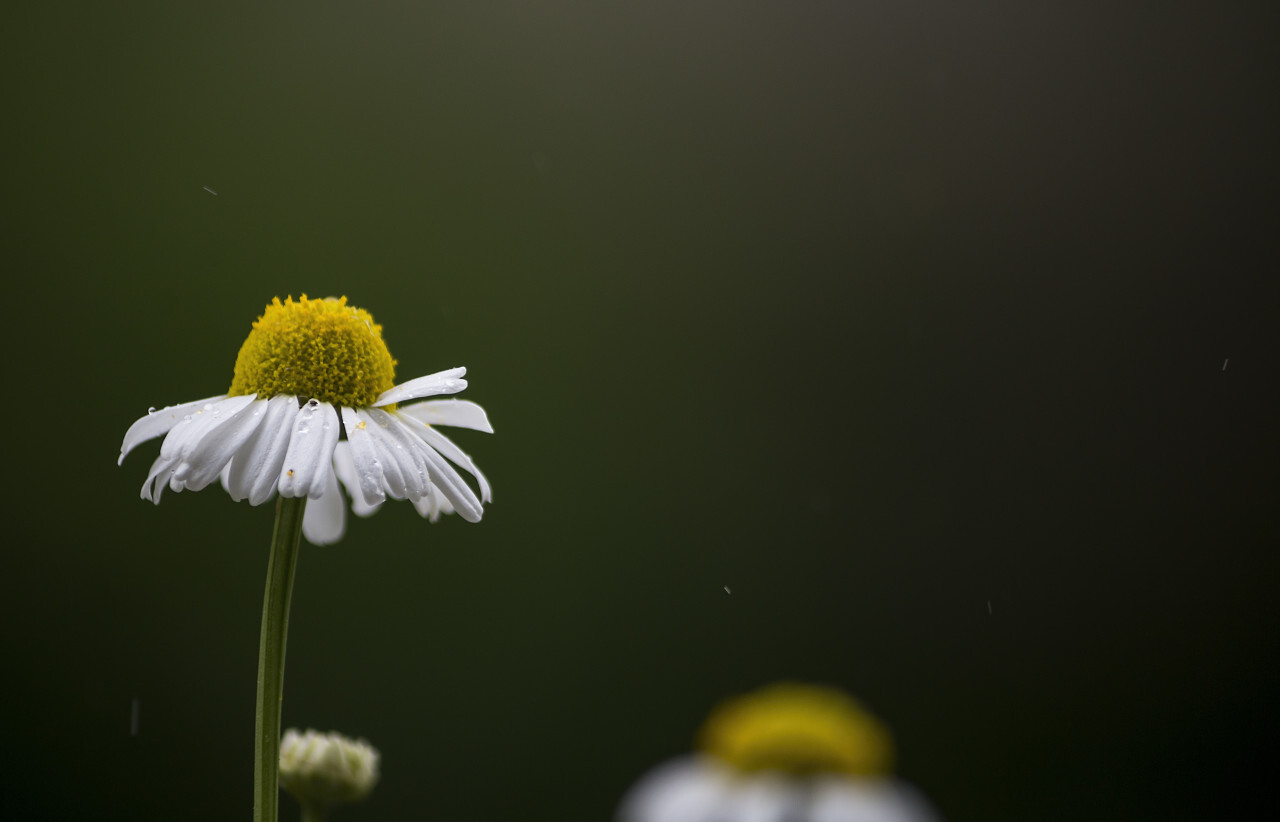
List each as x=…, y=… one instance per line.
x=881, y=314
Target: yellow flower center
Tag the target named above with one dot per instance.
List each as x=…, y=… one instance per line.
x=798, y=729
x=324, y=349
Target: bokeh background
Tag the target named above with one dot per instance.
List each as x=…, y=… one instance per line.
x=923, y=349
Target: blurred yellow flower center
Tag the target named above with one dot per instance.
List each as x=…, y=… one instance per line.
x=798, y=729
x=324, y=349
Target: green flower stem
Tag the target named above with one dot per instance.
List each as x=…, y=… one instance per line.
x=275, y=630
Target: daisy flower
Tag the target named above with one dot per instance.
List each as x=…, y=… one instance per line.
x=786, y=753
x=313, y=404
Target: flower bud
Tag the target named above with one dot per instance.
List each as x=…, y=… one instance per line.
x=323, y=769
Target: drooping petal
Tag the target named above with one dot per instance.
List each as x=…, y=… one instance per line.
x=156, y=423
x=345, y=469
x=427, y=506
x=447, y=480
x=364, y=455
x=458, y=413
x=325, y=518
x=446, y=447
x=186, y=436
x=309, y=458
x=158, y=478
x=205, y=459
x=433, y=504
x=405, y=449
x=386, y=447
x=442, y=382
x=255, y=469
x=193, y=426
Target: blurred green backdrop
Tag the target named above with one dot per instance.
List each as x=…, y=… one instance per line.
x=942, y=335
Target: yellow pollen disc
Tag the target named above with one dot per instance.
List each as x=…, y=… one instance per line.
x=324, y=349
x=798, y=729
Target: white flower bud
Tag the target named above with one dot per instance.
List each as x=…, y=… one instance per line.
x=323, y=769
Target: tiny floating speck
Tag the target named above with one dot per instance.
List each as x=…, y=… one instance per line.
x=211, y=191
x=1224, y=363
x=726, y=590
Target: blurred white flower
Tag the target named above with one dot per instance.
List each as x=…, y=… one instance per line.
x=320, y=770
x=787, y=753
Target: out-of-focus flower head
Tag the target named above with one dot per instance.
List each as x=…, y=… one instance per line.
x=786, y=753
x=321, y=770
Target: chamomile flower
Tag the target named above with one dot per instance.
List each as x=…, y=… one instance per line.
x=787, y=753
x=313, y=404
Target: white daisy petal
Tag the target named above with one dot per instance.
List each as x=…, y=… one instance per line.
x=385, y=446
x=325, y=519
x=156, y=423
x=205, y=459
x=442, y=382
x=187, y=433
x=406, y=449
x=453, y=487
x=365, y=456
x=458, y=413
x=309, y=458
x=428, y=507
x=447, y=480
x=446, y=447
x=345, y=469
x=158, y=478
x=433, y=504
x=186, y=436
x=255, y=469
